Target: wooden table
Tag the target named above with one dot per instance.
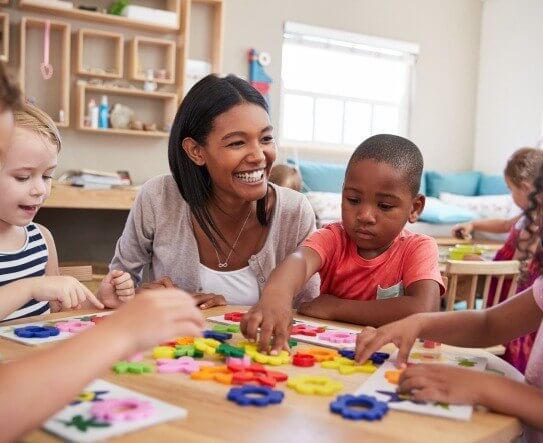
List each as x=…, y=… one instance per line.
x=298, y=419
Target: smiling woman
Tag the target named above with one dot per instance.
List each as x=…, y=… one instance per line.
x=215, y=226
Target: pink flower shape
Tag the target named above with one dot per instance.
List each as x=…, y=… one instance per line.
x=74, y=326
x=338, y=337
x=123, y=409
x=186, y=365
x=244, y=362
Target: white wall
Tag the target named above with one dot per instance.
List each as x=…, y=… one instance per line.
x=510, y=93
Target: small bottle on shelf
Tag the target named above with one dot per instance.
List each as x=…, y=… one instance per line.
x=92, y=118
x=103, y=120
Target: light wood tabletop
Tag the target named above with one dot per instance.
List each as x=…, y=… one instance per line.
x=299, y=418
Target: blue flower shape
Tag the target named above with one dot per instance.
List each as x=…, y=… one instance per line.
x=216, y=335
x=343, y=405
x=377, y=358
x=245, y=396
x=36, y=331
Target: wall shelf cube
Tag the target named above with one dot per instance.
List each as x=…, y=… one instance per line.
x=99, y=53
x=153, y=54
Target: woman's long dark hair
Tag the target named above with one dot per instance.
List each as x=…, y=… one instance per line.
x=533, y=228
x=207, y=99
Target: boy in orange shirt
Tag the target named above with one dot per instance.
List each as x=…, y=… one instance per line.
x=369, y=256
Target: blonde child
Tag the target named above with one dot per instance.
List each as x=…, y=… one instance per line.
x=286, y=176
x=518, y=316
x=28, y=249
x=373, y=271
x=154, y=317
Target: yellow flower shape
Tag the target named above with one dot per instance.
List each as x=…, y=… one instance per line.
x=251, y=350
x=207, y=345
x=346, y=366
x=163, y=352
x=314, y=385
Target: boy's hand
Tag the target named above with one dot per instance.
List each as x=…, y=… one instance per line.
x=64, y=292
x=443, y=383
x=116, y=288
x=272, y=319
x=462, y=230
x=157, y=315
x=321, y=307
x=402, y=333
x=206, y=301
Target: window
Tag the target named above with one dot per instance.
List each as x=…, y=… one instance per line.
x=338, y=88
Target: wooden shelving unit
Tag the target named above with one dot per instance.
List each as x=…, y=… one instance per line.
x=97, y=17
x=63, y=197
x=61, y=66
x=141, y=62
x=169, y=102
x=4, y=37
x=108, y=38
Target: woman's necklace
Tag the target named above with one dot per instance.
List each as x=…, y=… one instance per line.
x=224, y=264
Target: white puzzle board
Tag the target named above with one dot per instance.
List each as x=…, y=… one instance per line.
x=76, y=424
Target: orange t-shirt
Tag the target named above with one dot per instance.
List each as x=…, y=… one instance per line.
x=411, y=257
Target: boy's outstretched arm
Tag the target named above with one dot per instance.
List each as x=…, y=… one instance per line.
x=421, y=296
x=273, y=312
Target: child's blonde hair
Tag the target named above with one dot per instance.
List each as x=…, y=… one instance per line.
x=286, y=176
x=33, y=118
x=524, y=165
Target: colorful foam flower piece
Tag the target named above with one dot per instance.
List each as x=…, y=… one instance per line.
x=314, y=385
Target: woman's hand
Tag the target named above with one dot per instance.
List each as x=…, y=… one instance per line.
x=273, y=319
x=443, y=383
x=206, y=301
x=162, y=282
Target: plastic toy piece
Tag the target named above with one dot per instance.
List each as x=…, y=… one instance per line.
x=303, y=360
x=230, y=351
x=292, y=342
x=218, y=373
x=220, y=336
x=98, y=318
x=206, y=345
x=36, y=331
x=234, y=316
x=377, y=358
x=393, y=376
x=322, y=354
x=116, y=410
x=425, y=356
x=184, y=340
x=314, y=385
x=138, y=357
x=337, y=337
x=303, y=329
x=186, y=365
x=429, y=344
x=346, y=406
x=89, y=397
x=256, y=373
x=163, y=352
x=133, y=368
x=255, y=396
x=346, y=366
x=241, y=362
x=74, y=326
x=275, y=360
x=234, y=329
x=187, y=351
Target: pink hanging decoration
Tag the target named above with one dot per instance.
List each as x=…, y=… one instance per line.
x=46, y=68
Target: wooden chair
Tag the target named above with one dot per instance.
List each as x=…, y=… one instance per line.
x=475, y=269
x=81, y=273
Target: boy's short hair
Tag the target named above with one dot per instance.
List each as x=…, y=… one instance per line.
x=396, y=151
x=524, y=165
x=10, y=94
x=34, y=119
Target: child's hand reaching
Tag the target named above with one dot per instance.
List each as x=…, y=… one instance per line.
x=116, y=288
x=155, y=316
x=462, y=230
x=443, y=383
x=402, y=333
x=206, y=301
x=63, y=292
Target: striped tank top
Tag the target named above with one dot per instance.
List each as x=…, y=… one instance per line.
x=29, y=261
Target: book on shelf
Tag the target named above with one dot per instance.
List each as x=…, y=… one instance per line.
x=89, y=179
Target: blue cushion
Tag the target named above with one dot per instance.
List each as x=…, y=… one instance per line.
x=460, y=183
x=492, y=185
x=323, y=177
x=422, y=189
x=435, y=211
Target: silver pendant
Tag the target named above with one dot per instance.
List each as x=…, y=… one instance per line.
x=223, y=265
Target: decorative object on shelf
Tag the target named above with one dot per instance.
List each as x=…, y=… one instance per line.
x=156, y=16
x=149, y=127
x=46, y=68
x=150, y=84
x=121, y=116
x=117, y=7
x=136, y=125
x=257, y=76
x=103, y=121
